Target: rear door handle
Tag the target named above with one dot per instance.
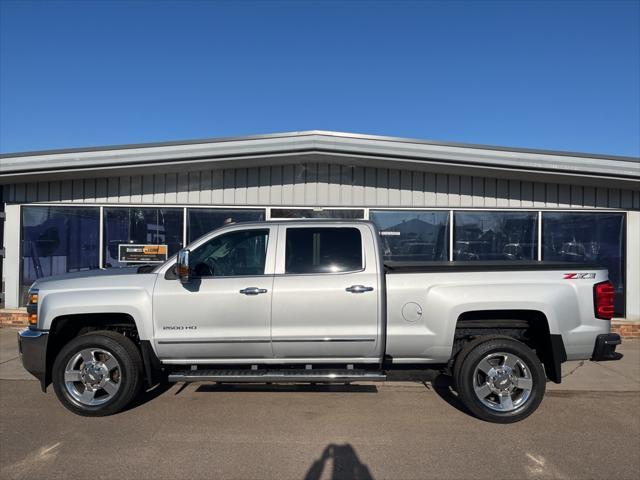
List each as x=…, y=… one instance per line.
x=358, y=289
x=253, y=291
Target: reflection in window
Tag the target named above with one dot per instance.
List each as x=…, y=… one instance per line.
x=589, y=238
x=354, y=213
x=57, y=240
x=236, y=253
x=323, y=250
x=146, y=226
x=203, y=220
x=413, y=235
x=495, y=236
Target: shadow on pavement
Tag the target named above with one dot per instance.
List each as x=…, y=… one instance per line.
x=149, y=395
x=346, y=464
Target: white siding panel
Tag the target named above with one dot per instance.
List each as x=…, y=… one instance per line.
x=394, y=188
x=136, y=188
x=539, y=194
x=159, y=188
x=240, y=196
x=358, y=186
x=466, y=191
x=478, y=192
x=299, y=177
x=194, y=188
x=370, y=186
x=276, y=185
x=382, y=187
x=335, y=174
x=264, y=186
x=503, y=193
x=287, y=184
x=321, y=184
x=217, y=184
x=171, y=188
x=454, y=191
x=417, y=188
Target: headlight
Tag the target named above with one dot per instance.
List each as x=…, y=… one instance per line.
x=32, y=307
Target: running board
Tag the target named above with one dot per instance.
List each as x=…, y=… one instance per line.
x=277, y=376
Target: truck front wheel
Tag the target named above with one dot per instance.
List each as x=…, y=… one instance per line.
x=500, y=380
x=98, y=373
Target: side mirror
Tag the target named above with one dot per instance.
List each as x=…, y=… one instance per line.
x=182, y=265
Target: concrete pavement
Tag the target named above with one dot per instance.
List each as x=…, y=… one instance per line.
x=588, y=427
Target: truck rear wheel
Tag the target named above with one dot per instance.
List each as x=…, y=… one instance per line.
x=500, y=380
x=98, y=373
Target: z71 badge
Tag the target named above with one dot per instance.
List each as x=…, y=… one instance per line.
x=579, y=276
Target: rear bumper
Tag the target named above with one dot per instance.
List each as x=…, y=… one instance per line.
x=605, y=347
x=32, y=345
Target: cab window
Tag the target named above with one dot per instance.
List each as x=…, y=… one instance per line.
x=323, y=250
x=240, y=253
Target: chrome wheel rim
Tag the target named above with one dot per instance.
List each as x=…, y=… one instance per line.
x=92, y=376
x=502, y=381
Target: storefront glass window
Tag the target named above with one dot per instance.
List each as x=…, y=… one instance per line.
x=413, y=235
x=349, y=213
x=588, y=238
x=495, y=236
x=57, y=240
x=203, y=220
x=143, y=226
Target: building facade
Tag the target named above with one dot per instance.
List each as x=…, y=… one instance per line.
x=79, y=209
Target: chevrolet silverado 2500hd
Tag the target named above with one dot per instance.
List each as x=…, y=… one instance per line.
x=313, y=301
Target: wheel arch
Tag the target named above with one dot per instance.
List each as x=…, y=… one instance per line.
x=63, y=328
x=529, y=326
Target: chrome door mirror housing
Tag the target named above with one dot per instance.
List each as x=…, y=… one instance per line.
x=182, y=265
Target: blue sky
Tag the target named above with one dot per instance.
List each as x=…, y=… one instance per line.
x=556, y=75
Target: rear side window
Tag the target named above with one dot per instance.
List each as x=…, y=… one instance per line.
x=323, y=250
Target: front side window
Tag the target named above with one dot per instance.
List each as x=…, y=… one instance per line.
x=323, y=250
x=495, y=236
x=240, y=253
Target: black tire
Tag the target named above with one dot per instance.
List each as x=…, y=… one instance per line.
x=467, y=377
x=129, y=372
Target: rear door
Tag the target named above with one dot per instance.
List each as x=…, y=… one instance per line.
x=325, y=293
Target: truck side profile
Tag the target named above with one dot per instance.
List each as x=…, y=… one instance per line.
x=313, y=301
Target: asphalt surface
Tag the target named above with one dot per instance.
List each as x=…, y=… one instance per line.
x=396, y=430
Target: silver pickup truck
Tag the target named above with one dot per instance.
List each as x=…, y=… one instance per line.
x=313, y=301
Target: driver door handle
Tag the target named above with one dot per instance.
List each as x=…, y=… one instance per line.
x=253, y=291
x=358, y=289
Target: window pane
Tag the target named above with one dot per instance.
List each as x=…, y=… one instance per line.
x=57, y=240
x=495, y=236
x=588, y=237
x=356, y=213
x=240, y=253
x=323, y=250
x=146, y=226
x=413, y=235
x=203, y=220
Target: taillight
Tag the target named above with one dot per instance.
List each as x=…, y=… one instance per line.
x=603, y=300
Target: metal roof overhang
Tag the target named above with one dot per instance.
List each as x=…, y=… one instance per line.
x=319, y=146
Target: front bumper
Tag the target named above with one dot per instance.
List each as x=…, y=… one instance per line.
x=32, y=345
x=605, y=348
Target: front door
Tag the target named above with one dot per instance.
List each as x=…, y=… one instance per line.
x=224, y=312
x=326, y=293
